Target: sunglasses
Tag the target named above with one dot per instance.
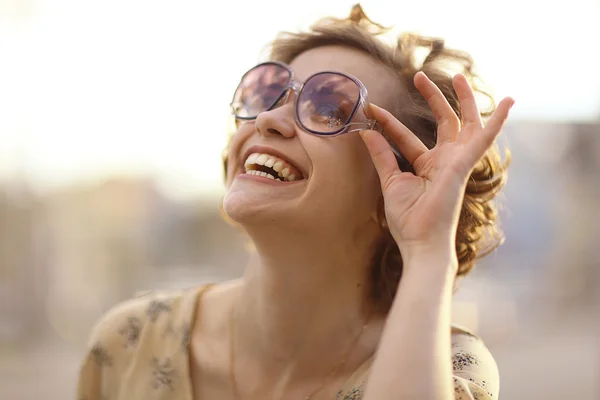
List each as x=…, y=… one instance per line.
x=325, y=104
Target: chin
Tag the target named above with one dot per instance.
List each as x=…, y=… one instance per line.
x=243, y=207
x=238, y=207
x=249, y=201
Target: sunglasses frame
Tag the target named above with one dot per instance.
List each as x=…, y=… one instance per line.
x=296, y=86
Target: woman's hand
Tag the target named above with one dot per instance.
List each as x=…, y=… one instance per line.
x=422, y=209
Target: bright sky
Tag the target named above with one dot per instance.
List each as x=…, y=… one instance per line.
x=91, y=88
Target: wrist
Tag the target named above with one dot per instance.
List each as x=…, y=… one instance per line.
x=439, y=249
x=428, y=277
x=430, y=256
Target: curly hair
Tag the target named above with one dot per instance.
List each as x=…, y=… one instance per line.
x=478, y=231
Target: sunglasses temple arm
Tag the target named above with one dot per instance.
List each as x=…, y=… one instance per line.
x=376, y=126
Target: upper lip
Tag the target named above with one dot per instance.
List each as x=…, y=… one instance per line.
x=273, y=152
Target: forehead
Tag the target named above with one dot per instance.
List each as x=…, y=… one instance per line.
x=376, y=77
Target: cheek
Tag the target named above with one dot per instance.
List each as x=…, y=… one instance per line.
x=359, y=160
x=233, y=151
x=363, y=173
x=351, y=168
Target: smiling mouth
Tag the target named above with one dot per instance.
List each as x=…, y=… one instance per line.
x=271, y=167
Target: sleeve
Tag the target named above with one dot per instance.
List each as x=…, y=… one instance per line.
x=475, y=371
x=109, y=350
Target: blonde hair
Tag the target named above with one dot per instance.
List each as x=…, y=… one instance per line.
x=478, y=232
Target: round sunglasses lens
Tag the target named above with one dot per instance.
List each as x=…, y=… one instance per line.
x=259, y=90
x=327, y=102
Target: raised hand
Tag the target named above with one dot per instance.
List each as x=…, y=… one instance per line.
x=422, y=209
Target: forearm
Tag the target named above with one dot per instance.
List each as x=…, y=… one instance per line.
x=414, y=356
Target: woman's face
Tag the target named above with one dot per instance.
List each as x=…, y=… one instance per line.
x=336, y=184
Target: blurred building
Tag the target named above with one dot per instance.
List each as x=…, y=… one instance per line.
x=67, y=257
x=19, y=312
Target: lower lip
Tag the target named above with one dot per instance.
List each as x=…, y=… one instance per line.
x=270, y=181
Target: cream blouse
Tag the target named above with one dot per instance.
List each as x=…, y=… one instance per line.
x=139, y=351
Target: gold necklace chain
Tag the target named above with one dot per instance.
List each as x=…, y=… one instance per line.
x=333, y=371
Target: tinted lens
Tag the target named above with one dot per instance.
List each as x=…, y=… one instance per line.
x=327, y=102
x=259, y=90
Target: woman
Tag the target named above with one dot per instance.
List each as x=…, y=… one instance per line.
x=359, y=237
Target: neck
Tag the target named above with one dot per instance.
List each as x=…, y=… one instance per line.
x=305, y=298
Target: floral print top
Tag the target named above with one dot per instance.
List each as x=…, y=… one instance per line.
x=139, y=351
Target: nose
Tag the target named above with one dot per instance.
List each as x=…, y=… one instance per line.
x=278, y=121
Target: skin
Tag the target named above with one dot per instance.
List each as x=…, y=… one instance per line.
x=302, y=301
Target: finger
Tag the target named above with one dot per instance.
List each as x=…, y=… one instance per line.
x=382, y=155
x=468, y=105
x=484, y=140
x=408, y=143
x=447, y=120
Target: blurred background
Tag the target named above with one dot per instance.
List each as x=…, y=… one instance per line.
x=113, y=116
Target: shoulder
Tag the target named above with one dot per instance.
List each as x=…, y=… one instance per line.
x=122, y=326
x=140, y=332
x=475, y=374
x=475, y=371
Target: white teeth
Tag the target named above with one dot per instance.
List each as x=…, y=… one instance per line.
x=251, y=160
x=260, y=173
x=262, y=159
x=278, y=166
x=269, y=161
